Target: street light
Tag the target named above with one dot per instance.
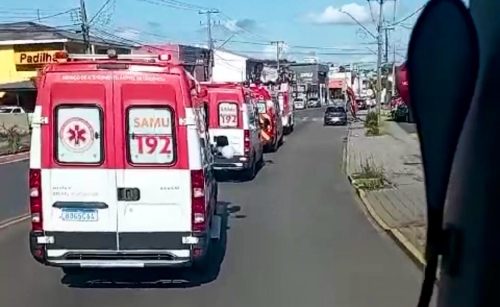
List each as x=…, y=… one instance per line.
x=378, y=37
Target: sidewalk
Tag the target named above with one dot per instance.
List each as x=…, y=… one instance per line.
x=399, y=208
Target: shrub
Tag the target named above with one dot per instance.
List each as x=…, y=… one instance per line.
x=370, y=175
x=13, y=137
x=372, y=124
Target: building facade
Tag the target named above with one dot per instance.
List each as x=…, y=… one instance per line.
x=26, y=47
x=311, y=80
x=195, y=59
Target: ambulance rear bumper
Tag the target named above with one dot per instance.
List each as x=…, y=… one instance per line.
x=182, y=254
x=236, y=163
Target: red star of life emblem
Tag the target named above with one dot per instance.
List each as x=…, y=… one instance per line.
x=77, y=135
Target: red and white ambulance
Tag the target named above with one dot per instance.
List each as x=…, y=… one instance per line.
x=269, y=117
x=120, y=172
x=233, y=118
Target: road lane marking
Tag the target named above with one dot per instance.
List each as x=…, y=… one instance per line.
x=14, y=220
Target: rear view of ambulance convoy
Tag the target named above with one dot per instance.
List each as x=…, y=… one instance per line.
x=125, y=150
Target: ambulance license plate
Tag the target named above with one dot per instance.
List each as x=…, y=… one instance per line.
x=79, y=215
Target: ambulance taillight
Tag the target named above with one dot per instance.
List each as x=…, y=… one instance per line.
x=246, y=140
x=35, y=193
x=198, y=210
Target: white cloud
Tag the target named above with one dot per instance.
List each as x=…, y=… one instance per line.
x=337, y=15
x=232, y=26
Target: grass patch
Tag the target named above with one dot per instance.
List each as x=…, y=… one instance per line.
x=370, y=176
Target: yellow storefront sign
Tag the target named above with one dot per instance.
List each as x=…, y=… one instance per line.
x=34, y=57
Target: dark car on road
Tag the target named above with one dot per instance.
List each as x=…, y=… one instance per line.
x=335, y=115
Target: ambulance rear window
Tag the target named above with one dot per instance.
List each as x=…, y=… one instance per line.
x=150, y=135
x=228, y=114
x=78, y=131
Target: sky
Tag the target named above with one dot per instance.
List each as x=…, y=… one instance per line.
x=314, y=28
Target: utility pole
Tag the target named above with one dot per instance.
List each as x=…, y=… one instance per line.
x=379, y=54
x=278, y=53
x=209, y=38
x=85, y=26
x=394, y=51
x=386, y=51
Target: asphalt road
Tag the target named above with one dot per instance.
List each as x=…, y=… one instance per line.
x=296, y=236
x=13, y=189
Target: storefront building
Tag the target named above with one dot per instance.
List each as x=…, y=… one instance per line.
x=311, y=80
x=25, y=47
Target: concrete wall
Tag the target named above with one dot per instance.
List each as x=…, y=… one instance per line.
x=19, y=120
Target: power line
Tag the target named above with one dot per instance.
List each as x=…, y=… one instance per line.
x=99, y=11
x=410, y=15
x=24, y=19
x=175, y=4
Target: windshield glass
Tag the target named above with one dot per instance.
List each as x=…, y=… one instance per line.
x=335, y=110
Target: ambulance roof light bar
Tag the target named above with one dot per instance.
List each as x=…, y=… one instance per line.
x=63, y=56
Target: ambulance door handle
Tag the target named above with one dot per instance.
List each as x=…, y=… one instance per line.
x=129, y=194
x=96, y=135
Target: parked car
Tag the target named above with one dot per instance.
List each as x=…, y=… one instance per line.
x=299, y=104
x=335, y=115
x=15, y=110
x=120, y=172
x=314, y=103
x=361, y=103
x=11, y=110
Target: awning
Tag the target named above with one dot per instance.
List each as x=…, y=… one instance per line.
x=18, y=86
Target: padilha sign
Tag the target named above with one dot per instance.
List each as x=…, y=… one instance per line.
x=34, y=57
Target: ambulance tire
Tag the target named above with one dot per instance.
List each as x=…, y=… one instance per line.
x=274, y=147
x=261, y=161
x=250, y=173
x=202, y=265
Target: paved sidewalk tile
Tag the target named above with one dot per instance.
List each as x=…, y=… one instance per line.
x=402, y=205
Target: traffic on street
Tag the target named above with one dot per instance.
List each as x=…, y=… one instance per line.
x=294, y=236
x=139, y=171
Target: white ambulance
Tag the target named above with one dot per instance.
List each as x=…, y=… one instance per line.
x=120, y=166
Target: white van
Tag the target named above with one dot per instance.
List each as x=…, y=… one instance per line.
x=120, y=166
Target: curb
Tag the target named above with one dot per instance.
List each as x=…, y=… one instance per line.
x=410, y=249
x=6, y=159
x=14, y=220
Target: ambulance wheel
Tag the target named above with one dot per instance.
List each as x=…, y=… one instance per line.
x=261, y=161
x=202, y=265
x=249, y=174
